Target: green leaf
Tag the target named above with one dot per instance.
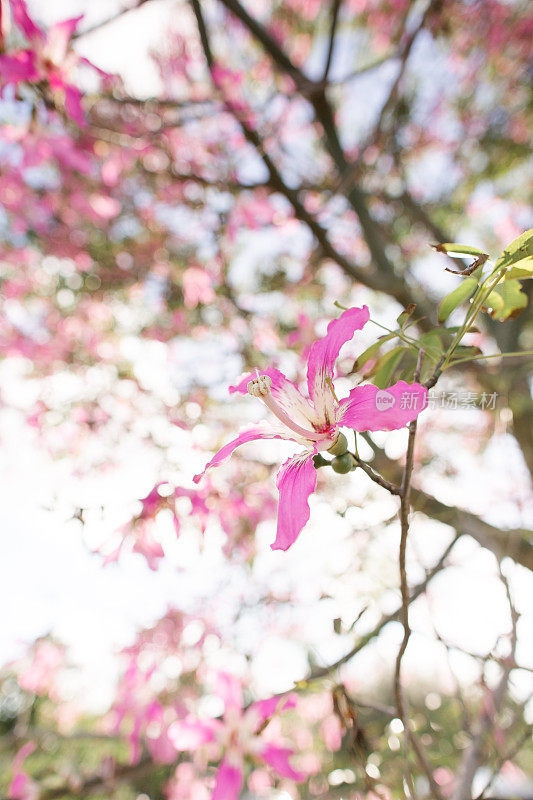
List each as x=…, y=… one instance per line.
x=522, y=269
x=432, y=344
x=506, y=300
x=406, y=315
x=463, y=292
x=386, y=366
x=518, y=257
x=466, y=350
x=457, y=250
x=371, y=351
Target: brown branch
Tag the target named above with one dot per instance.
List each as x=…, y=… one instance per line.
x=405, y=507
x=335, y=8
x=373, y=280
x=322, y=672
x=316, y=94
x=473, y=754
x=516, y=543
x=392, y=98
x=98, y=25
x=508, y=755
x=376, y=477
x=99, y=782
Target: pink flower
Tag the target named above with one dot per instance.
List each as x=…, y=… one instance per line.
x=21, y=786
x=49, y=58
x=237, y=734
x=315, y=422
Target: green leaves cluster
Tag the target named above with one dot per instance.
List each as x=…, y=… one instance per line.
x=506, y=299
x=497, y=291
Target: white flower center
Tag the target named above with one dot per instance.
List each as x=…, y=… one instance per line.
x=261, y=387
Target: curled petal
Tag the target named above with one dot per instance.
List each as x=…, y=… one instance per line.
x=296, y=480
x=249, y=435
x=191, y=733
x=278, y=759
x=228, y=782
x=368, y=408
x=324, y=353
x=285, y=393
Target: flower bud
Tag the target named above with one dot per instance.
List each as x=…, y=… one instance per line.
x=342, y=464
x=339, y=446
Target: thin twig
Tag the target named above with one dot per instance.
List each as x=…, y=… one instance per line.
x=335, y=8
x=322, y=672
x=401, y=704
x=376, y=477
x=473, y=754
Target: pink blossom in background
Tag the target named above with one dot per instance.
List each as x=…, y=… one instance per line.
x=315, y=422
x=41, y=674
x=197, y=286
x=47, y=59
x=21, y=786
x=236, y=736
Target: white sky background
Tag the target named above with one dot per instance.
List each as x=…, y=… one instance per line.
x=50, y=581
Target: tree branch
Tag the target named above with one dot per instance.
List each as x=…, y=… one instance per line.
x=516, y=543
x=335, y=8
x=322, y=672
x=473, y=754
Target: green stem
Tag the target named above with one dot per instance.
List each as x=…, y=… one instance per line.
x=407, y=339
x=493, y=355
x=479, y=298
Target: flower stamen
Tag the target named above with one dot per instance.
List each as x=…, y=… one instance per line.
x=260, y=387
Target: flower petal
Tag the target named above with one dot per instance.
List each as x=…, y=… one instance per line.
x=296, y=480
x=324, y=353
x=191, y=733
x=228, y=782
x=246, y=436
x=229, y=688
x=368, y=408
x=19, y=67
x=22, y=20
x=285, y=393
x=73, y=105
x=264, y=709
x=278, y=759
x=58, y=39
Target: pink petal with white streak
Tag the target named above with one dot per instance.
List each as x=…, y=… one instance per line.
x=58, y=39
x=228, y=782
x=278, y=759
x=296, y=480
x=368, y=408
x=323, y=354
x=191, y=733
x=285, y=393
x=246, y=436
